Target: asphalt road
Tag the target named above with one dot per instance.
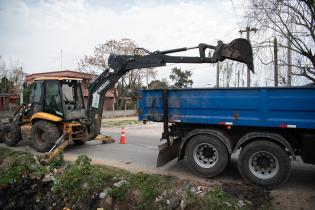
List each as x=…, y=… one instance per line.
x=141, y=151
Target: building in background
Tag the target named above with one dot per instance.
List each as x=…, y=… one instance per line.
x=86, y=79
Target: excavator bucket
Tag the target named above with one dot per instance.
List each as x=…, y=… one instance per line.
x=239, y=50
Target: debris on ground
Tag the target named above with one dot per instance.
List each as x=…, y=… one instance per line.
x=24, y=184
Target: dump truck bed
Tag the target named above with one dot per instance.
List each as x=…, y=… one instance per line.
x=292, y=107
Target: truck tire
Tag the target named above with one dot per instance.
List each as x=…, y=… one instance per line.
x=44, y=135
x=11, y=134
x=264, y=163
x=206, y=155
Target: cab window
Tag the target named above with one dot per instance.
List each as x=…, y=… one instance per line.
x=36, y=92
x=53, y=103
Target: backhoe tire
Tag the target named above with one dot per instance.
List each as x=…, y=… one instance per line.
x=206, y=155
x=264, y=163
x=11, y=134
x=44, y=134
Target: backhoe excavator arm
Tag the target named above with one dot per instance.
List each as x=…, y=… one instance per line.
x=238, y=50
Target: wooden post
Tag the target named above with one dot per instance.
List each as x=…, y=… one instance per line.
x=289, y=73
x=247, y=30
x=218, y=74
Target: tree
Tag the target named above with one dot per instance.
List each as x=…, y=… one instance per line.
x=11, y=77
x=158, y=84
x=181, y=78
x=290, y=21
x=97, y=63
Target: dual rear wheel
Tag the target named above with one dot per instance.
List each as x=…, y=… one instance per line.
x=264, y=163
x=260, y=162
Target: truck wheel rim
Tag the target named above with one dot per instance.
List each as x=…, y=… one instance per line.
x=263, y=165
x=205, y=155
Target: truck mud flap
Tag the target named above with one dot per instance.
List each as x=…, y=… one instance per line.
x=167, y=153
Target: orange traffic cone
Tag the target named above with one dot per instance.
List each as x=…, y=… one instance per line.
x=123, y=137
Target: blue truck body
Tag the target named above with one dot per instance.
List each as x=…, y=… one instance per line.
x=269, y=126
x=292, y=107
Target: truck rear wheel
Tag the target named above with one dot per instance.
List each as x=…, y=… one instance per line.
x=11, y=134
x=264, y=163
x=206, y=155
x=44, y=135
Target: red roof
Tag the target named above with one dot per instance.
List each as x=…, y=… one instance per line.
x=66, y=73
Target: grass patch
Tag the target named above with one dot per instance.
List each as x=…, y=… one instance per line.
x=23, y=165
x=120, y=123
x=80, y=180
x=5, y=152
x=218, y=199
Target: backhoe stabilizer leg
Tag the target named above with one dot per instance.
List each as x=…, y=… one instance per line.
x=59, y=146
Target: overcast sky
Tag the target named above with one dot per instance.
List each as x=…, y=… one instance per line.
x=34, y=32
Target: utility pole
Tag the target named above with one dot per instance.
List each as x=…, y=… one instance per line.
x=247, y=30
x=21, y=85
x=218, y=74
x=238, y=78
x=275, y=50
x=147, y=78
x=289, y=73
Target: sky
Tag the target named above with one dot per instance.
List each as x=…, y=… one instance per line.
x=34, y=33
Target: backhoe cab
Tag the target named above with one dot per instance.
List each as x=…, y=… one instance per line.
x=56, y=107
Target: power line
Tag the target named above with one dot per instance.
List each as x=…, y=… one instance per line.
x=238, y=23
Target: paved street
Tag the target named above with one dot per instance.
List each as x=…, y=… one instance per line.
x=140, y=153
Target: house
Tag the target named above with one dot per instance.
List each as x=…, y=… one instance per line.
x=86, y=79
x=9, y=101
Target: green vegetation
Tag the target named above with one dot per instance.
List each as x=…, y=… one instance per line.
x=181, y=78
x=79, y=185
x=119, y=123
x=81, y=175
x=218, y=199
x=23, y=165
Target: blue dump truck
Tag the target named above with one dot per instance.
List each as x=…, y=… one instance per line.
x=270, y=127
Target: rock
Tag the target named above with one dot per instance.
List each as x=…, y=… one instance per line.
x=48, y=178
x=240, y=204
x=85, y=185
x=104, y=193
x=228, y=204
x=249, y=202
x=183, y=203
x=173, y=203
x=120, y=183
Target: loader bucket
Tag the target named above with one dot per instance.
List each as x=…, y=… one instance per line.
x=239, y=50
